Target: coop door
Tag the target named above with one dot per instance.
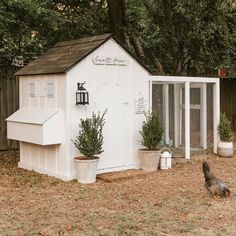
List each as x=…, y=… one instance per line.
x=116, y=129
x=195, y=116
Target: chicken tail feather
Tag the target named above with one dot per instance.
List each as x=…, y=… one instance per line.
x=206, y=170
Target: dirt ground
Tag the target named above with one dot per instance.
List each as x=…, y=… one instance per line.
x=166, y=202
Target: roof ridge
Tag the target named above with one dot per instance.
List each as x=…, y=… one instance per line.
x=84, y=40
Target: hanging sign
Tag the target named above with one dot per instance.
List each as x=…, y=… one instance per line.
x=140, y=104
x=109, y=60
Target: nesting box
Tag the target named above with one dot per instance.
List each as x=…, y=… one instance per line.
x=49, y=114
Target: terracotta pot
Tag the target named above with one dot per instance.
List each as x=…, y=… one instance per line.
x=86, y=169
x=225, y=149
x=149, y=159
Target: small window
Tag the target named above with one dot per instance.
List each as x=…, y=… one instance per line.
x=50, y=89
x=32, y=88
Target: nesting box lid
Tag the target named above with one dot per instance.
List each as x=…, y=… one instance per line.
x=32, y=116
x=36, y=126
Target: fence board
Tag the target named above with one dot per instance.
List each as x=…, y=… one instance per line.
x=228, y=99
x=9, y=103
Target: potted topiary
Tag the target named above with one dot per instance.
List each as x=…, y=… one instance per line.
x=151, y=132
x=225, y=146
x=89, y=143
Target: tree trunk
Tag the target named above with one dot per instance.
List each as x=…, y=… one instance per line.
x=137, y=46
x=116, y=10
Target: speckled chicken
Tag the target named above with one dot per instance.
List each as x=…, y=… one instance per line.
x=214, y=185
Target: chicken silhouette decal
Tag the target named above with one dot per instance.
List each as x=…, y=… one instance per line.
x=215, y=186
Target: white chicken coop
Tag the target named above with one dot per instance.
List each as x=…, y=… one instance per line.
x=48, y=118
x=49, y=114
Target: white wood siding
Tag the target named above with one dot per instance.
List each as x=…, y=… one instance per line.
x=50, y=159
x=114, y=88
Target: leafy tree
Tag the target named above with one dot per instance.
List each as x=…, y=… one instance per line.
x=29, y=27
x=192, y=37
x=26, y=28
x=171, y=36
x=82, y=18
x=177, y=36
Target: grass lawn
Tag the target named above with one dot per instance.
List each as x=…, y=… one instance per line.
x=166, y=202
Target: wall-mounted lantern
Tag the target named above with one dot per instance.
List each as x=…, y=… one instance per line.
x=82, y=96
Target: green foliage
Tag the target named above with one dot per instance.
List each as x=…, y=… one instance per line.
x=82, y=18
x=152, y=131
x=26, y=28
x=191, y=37
x=177, y=37
x=30, y=27
x=182, y=37
x=224, y=128
x=90, y=139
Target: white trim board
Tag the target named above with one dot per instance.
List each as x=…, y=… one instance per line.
x=183, y=79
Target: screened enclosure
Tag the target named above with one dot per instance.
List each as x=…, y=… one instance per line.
x=189, y=110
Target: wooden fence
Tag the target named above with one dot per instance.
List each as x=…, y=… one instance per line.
x=228, y=99
x=9, y=103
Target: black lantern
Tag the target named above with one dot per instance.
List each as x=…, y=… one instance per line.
x=82, y=96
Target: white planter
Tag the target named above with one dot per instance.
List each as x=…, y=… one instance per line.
x=86, y=169
x=149, y=159
x=225, y=149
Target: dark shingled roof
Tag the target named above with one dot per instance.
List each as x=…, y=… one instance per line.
x=65, y=55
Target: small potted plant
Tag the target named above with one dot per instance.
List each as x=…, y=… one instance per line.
x=89, y=143
x=151, y=132
x=225, y=146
